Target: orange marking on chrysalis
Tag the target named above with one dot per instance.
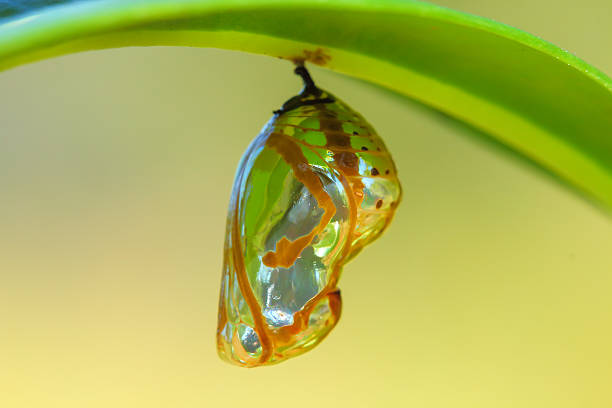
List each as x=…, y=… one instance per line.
x=288, y=251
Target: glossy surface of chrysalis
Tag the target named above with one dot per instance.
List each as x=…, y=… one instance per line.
x=314, y=188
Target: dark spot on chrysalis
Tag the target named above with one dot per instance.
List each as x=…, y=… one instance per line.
x=379, y=203
x=355, y=133
x=375, y=171
x=378, y=149
x=387, y=171
x=365, y=149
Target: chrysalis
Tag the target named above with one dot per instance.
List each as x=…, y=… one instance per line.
x=314, y=188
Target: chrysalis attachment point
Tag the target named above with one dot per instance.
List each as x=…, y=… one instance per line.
x=314, y=188
x=310, y=94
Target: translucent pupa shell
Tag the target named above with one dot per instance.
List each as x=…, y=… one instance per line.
x=314, y=188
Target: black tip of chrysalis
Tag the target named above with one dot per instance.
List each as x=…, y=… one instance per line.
x=310, y=94
x=309, y=86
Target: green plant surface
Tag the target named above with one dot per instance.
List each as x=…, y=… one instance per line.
x=534, y=97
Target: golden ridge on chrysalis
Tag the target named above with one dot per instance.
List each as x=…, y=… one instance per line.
x=314, y=188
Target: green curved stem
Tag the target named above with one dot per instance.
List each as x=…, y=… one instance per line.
x=540, y=100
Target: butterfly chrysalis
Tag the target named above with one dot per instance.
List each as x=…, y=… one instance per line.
x=314, y=188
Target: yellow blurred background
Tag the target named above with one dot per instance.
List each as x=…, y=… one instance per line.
x=492, y=288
